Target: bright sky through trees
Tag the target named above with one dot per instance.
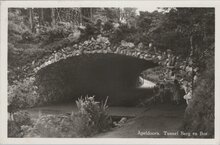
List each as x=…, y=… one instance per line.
x=149, y=9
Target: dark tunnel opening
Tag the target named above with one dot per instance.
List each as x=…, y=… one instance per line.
x=101, y=75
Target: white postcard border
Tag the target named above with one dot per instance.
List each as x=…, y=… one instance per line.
x=3, y=72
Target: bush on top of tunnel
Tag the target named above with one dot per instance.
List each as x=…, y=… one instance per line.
x=50, y=34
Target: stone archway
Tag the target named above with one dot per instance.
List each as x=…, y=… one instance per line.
x=99, y=74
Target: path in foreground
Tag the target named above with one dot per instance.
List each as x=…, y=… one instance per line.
x=156, y=120
x=71, y=107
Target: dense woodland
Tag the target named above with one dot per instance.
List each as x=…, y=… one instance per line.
x=185, y=31
x=189, y=33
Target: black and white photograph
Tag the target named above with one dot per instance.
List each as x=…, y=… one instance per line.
x=110, y=72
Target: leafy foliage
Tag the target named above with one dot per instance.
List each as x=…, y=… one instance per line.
x=199, y=114
x=50, y=34
x=98, y=115
x=124, y=33
x=23, y=94
x=16, y=127
x=108, y=26
x=16, y=25
x=52, y=126
x=91, y=118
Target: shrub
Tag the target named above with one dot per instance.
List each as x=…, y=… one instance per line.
x=22, y=118
x=82, y=124
x=16, y=126
x=125, y=33
x=199, y=115
x=108, y=26
x=74, y=36
x=12, y=51
x=13, y=129
x=27, y=36
x=52, y=126
x=16, y=25
x=91, y=118
x=23, y=94
x=50, y=34
x=98, y=115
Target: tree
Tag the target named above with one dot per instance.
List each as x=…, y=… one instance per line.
x=112, y=14
x=196, y=24
x=128, y=13
x=151, y=27
x=31, y=19
x=53, y=22
x=41, y=11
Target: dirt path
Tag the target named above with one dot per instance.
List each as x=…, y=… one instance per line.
x=151, y=124
x=147, y=84
x=158, y=121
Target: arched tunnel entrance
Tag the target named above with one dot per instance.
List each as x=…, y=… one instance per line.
x=102, y=75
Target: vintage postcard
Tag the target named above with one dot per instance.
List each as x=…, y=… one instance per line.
x=107, y=72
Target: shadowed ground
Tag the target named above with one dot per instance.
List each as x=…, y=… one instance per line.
x=155, y=120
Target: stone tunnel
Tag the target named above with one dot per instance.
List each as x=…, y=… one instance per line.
x=101, y=75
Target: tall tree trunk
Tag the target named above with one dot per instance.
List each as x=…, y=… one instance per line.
x=119, y=14
x=42, y=16
x=191, y=43
x=31, y=19
x=192, y=53
x=53, y=22
x=91, y=14
x=80, y=16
